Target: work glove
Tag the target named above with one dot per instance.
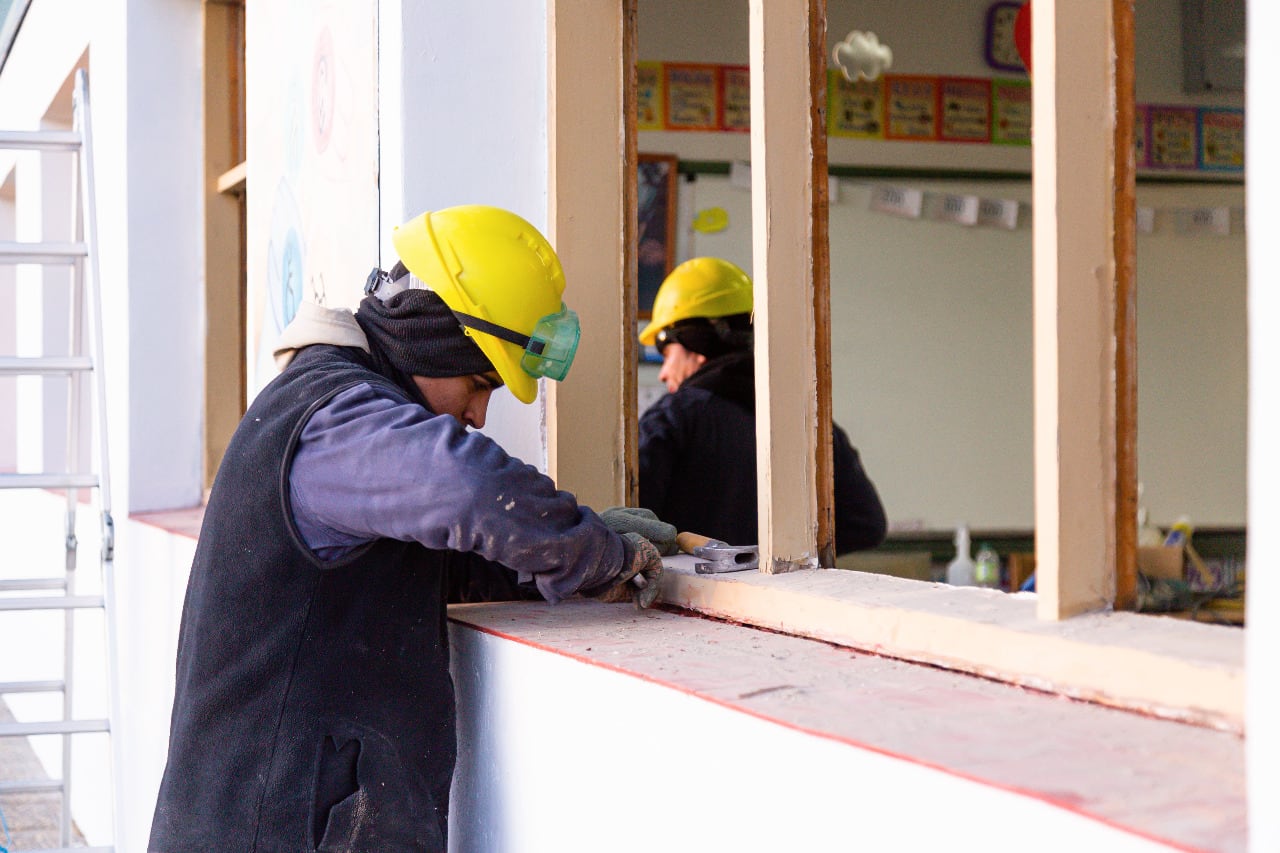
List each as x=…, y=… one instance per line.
x=639, y=581
x=635, y=519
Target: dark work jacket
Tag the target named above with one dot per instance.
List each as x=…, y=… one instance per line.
x=698, y=462
x=314, y=708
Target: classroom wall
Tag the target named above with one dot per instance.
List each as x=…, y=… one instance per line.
x=931, y=321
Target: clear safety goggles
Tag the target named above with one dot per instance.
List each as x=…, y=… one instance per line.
x=548, y=350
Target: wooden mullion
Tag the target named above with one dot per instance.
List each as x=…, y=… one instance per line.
x=1074, y=307
x=629, y=274
x=782, y=204
x=820, y=241
x=1126, y=326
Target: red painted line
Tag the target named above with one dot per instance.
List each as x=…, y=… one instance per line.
x=1032, y=795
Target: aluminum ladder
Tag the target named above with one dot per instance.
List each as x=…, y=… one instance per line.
x=83, y=362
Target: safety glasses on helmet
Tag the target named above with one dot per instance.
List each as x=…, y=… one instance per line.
x=548, y=350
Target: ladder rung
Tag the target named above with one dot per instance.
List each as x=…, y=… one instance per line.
x=53, y=727
x=25, y=584
x=30, y=786
x=55, y=686
x=51, y=602
x=40, y=140
x=41, y=253
x=21, y=366
x=48, y=481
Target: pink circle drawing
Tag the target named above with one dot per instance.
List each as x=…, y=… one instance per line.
x=322, y=90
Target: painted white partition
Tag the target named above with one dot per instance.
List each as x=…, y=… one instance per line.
x=151, y=576
x=149, y=190
x=559, y=755
x=463, y=111
x=149, y=179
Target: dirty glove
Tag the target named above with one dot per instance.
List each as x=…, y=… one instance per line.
x=639, y=581
x=635, y=519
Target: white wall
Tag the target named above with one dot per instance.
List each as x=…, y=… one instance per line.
x=467, y=125
x=616, y=762
x=146, y=94
x=931, y=322
x=311, y=111
x=931, y=349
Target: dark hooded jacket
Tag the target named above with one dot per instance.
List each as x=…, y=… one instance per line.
x=314, y=708
x=698, y=461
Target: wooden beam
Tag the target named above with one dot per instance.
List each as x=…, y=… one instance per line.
x=783, y=239
x=591, y=216
x=232, y=180
x=1126, y=331
x=630, y=280
x=1074, y=305
x=225, y=382
x=821, y=252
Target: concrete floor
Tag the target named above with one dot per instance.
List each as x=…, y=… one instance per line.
x=31, y=819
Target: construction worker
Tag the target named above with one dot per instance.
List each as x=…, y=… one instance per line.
x=698, y=442
x=314, y=707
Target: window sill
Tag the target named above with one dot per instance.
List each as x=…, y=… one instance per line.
x=1179, y=670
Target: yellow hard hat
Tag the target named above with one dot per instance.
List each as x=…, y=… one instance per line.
x=503, y=281
x=702, y=287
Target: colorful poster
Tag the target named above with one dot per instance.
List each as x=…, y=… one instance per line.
x=966, y=109
x=1222, y=139
x=649, y=96
x=693, y=96
x=1141, y=144
x=854, y=109
x=1172, y=137
x=1011, y=112
x=736, y=102
x=911, y=108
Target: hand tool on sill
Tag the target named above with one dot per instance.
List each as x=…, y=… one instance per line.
x=719, y=556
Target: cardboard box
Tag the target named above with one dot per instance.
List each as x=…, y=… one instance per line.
x=1162, y=561
x=915, y=565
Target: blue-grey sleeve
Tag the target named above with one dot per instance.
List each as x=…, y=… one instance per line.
x=371, y=464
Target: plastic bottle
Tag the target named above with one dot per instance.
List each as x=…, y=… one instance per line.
x=1180, y=533
x=986, y=567
x=960, y=569
x=1149, y=536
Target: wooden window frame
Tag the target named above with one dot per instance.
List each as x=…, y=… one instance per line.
x=225, y=383
x=1083, y=345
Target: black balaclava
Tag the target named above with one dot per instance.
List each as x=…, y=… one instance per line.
x=710, y=336
x=415, y=334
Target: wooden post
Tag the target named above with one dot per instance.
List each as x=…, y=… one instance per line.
x=820, y=242
x=1126, y=333
x=1074, y=305
x=783, y=178
x=591, y=61
x=225, y=274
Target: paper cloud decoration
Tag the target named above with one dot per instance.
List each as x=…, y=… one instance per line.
x=862, y=56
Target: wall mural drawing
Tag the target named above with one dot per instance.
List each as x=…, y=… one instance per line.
x=314, y=235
